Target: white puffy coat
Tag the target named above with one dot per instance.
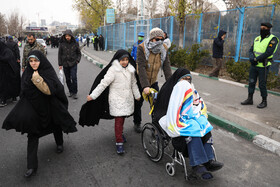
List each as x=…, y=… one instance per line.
x=122, y=89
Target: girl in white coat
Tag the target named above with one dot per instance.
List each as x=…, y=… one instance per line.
x=123, y=88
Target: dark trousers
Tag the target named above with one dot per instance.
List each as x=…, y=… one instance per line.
x=32, y=147
x=71, y=78
x=219, y=63
x=119, y=121
x=262, y=73
x=96, y=46
x=87, y=44
x=137, y=116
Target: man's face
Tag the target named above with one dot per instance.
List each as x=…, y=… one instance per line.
x=67, y=37
x=157, y=39
x=31, y=39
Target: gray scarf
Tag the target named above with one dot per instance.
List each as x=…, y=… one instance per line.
x=155, y=47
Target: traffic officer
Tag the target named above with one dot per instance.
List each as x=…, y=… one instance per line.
x=261, y=54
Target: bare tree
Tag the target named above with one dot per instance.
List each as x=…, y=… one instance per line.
x=166, y=9
x=3, y=28
x=13, y=23
x=151, y=7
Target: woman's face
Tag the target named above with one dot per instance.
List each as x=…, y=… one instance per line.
x=34, y=63
x=124, y=61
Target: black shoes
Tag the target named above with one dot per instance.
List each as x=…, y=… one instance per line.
x=248, y=101
x=59, y=149
x=137, y=127
x=213, y=165
x=30, y=172
x=14, y=99
x=263, y=104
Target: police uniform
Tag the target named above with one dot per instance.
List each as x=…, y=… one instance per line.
x=261, y=57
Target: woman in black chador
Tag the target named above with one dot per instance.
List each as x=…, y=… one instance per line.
x=9, y=75
x=42, y=108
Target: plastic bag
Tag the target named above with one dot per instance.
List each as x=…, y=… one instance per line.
x=61, y=76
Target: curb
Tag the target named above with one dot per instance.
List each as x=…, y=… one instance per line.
x=232, y=127
x=259, y=140
x=230, y=82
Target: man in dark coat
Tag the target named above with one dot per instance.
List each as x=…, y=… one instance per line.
x=218, y=50
x=101, y=42
x=14, y=47
x=88, y=39
x=42, y=108
x=69, y=55
x=9, y=75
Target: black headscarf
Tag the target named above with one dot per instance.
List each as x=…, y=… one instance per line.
x=165, y=92
x=92, y=111
x=46, y=110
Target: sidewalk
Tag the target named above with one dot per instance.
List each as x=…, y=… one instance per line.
x=223, y=97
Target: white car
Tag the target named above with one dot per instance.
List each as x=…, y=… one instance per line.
x=41, y=41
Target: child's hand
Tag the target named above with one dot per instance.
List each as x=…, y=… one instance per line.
x=138, y=99
x=89, y=98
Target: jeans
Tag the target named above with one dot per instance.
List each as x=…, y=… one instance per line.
x=71, y=78
x=256, y=72
x=199, y=153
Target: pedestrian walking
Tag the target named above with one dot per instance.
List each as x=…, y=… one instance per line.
x=88, y=39
x=9, y=75
x=14, y=47
x=69, y=55
x=261, y=57
x=101, y=42
x=112, y=95
x=167, y=41
x=141, y=36
x=152, y=57
x=218, y=51
x=42, y=108
x=31, y=45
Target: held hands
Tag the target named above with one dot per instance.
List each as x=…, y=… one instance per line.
x=147, y=90
x=138, y=99
x=60, y=67
x=89, y=98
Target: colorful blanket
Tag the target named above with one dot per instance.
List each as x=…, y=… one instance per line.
x=186, y=114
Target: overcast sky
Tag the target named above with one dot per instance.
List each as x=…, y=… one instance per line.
x=51, y=10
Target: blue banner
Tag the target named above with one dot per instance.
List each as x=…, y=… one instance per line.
x=110, y=15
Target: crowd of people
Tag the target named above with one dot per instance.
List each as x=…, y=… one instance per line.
x=116, y=93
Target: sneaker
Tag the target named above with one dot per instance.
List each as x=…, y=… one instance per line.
x=3, y=103
x=75, y=96
x=120, y=149
x=137, y=127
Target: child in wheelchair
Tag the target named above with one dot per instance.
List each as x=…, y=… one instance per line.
x=181, y=113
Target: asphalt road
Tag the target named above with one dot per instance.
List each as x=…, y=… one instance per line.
x=90, y=157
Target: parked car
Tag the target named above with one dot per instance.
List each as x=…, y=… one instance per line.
x=41, y=41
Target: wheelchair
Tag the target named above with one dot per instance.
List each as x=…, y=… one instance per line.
x=157, y=143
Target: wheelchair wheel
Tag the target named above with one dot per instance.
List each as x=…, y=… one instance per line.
x=170, y=169
x=152, y=142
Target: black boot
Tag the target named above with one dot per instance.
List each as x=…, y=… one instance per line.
x=30, y=172
x=248, y=101
x=263, y=104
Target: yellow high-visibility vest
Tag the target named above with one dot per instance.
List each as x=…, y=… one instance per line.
x=261, y=46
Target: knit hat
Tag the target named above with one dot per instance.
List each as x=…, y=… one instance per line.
x=123, y=56
x=268, y=25
x=156, y=32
